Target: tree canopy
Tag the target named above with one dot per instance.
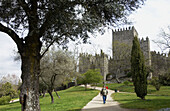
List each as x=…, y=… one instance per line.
x=90, y=77
x=61, y=20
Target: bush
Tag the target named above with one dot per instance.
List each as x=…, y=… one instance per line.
x=5, y=100
x=156, y=83
x=165, y=79
x=126, y=83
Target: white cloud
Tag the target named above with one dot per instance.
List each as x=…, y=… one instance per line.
x=7, y=64
x=149, y=19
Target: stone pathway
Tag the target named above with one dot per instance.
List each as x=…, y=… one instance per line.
x=12, y=101
x=96, y=104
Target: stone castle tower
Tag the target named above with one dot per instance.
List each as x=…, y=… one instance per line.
x=122, y=40
x=99, y=61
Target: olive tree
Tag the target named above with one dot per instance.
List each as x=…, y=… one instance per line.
x=57, y=68
x=33, y=23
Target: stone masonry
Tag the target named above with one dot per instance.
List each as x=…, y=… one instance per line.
x=99, y=61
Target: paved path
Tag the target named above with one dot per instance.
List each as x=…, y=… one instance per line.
x=96, y=104
x=12, y=101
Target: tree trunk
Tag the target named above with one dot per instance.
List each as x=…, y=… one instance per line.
x=57, y=94
x=44, y=91
x=85, y=86
x=52, y=99
x=30, y=56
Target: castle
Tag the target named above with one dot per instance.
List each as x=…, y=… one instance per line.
x=122, y=46
x=119, y=65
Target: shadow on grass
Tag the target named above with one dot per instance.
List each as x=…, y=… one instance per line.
x=149, y=104
x=74, y=110
x=80, y=90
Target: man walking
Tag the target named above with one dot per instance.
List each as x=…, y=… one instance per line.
x=104, y=93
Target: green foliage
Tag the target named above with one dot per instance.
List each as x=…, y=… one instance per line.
x=165, y=79
x=90, y=77
x=69, y=19
x=126, y=83
x=129, y=74
x=5, y=100
x=7, y=90
x=138, y=70
x=156, y=83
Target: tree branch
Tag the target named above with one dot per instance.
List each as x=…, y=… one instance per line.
x=13, y=35
x=24, y=6
x=47, y=49
x=50, y=45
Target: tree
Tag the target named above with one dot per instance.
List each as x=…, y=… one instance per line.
x=163, y=41
x=138, y=70
x=33, y=23
x=75, y=58
x=90, y=77
x=57, y=68
x=6, y=90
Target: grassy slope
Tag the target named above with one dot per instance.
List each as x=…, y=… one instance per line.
x=72, y=99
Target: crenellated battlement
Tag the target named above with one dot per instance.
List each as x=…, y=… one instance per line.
x=124, y=29
x=154, y=53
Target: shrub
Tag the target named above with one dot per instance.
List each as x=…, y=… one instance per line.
x=156, y=83
x=165, y=79
x=126, y=83
x=5, y=100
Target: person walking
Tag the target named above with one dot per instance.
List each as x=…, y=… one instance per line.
x=104, y=93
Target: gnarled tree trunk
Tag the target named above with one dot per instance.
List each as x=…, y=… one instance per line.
x=51, y=95
x=29, y=96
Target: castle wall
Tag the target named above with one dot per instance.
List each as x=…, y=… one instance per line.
x=99, y=61
x=160, y=63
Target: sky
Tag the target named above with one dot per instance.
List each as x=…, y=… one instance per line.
x=147, y=20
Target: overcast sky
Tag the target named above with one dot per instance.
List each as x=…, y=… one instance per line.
x=148, y=20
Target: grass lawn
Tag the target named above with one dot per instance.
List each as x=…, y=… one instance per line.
x=152, y=102
x=72, y=99
x=164, y=90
